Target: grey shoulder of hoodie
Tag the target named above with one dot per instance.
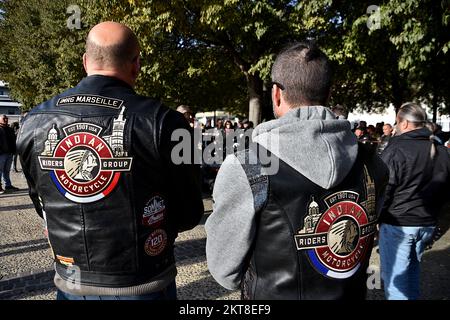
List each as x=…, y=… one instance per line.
x=258, y=181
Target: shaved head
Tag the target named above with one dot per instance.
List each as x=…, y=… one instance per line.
x=110, y=44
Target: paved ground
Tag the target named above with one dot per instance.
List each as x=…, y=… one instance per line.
x=26, y=265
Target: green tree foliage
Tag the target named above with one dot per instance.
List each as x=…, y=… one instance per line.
x=210, y=54
x=38, y=53
x=399, y=55
x=217, y=54
x=225, y=48
x=174, y=67
x=419, y=30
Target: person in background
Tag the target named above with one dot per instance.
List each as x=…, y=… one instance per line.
x=443, y=136
x=186, y=111
x=433, y=127
x=363, y=125
x=15, y=126
x=372, y=132
x=208, y=124
x=340, y=112
x=7, y=152
x=384, y=139
x=219, y=124
x=229, y=138
x=360, y=133
x=419, y=180
x=228, y=127
x=379, y=128
x=247, y=124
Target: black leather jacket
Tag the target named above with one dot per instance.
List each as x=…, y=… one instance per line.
x=7, y=140
x=418, y=183
x=97, y=159
x=384, y=141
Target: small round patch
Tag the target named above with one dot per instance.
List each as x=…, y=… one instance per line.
x=156, y=242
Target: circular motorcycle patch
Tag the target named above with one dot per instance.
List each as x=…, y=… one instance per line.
x=336, y=241
x=156, y=242
x=85, y=167
x=345, y=245
x=83, y=175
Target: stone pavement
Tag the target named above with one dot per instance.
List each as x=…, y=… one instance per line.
x=26, y=266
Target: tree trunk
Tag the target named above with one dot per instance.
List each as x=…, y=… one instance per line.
x=255, y=92
x=397, y=92
x=434, y=105
x=267, y=107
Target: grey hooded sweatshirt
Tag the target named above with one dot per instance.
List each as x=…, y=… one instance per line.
x=309, y=139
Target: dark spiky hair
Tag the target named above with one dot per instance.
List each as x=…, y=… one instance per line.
x=304, y=73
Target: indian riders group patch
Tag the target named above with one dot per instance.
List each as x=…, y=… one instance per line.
x=86, y=167
x=337, y=240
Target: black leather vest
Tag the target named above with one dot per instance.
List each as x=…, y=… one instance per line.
x=102, y=183
x=313, y=243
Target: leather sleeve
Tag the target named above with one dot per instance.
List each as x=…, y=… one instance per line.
x=231, y=228
x=393, y=162
x=186, y=193
x=25, y=145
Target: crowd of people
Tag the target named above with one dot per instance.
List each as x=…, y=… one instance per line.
x=379, y=135
x=222, y=124
x=98, y=159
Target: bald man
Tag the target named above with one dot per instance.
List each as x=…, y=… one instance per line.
x=97, y=159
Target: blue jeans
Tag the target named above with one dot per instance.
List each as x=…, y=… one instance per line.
x=169, y=293
x=401, y=250
x=5, y=167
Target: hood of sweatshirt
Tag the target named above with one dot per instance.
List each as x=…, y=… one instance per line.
x=313, y=142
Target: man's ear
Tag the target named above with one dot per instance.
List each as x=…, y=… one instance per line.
x=405, y=124
x=276, y=96
x=85, y=63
